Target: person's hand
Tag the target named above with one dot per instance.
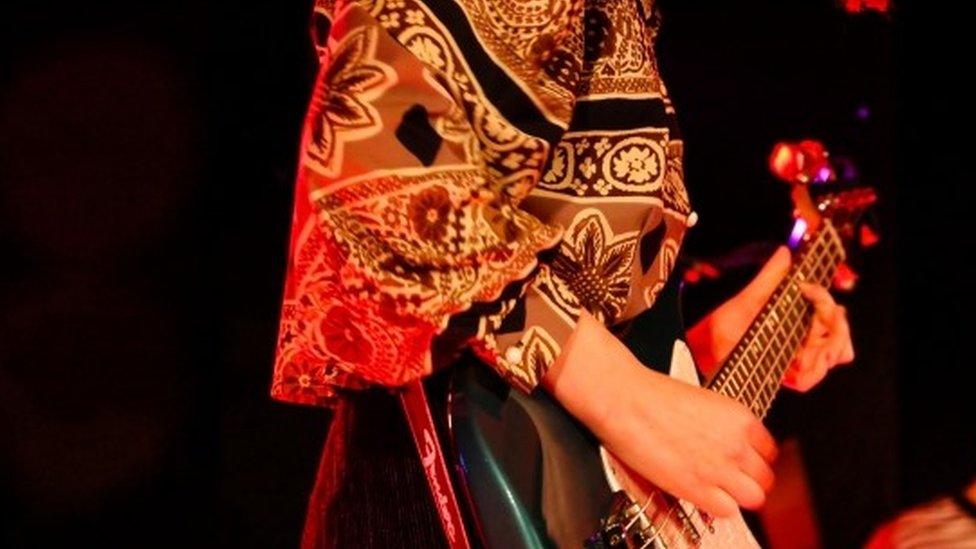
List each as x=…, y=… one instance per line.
x=827, y=344
x=696, y=444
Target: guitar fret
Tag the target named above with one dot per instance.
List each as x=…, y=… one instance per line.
x=753, y=373
x=798, y=313
x=762, y=337
x=758, y=375
x=734, y=385
x=783, y=358
x=755, y=354
x=739, y=376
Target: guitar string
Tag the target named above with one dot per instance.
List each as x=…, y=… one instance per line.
x=699, y=531
x=775, y=303
x=798, y=331
x=794, y=328
x=640, y=512
x=747, y=382
x=705, y=526
x=783, y=359
x=820, y=246
x=658, y=528
x=780, y=360
x=821, y=272
x=760, y=404
x=705, y=522
x=784, y=301
x=785, y=294
x=818, y=250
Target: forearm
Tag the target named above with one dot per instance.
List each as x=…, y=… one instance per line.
x=587, y=376
x=706, y=343
x=691, y=442
x=573, y=379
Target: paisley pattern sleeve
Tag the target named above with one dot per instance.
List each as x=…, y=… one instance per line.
x=615, y=183
x=429, y=124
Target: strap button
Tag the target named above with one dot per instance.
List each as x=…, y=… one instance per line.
x=513, y=354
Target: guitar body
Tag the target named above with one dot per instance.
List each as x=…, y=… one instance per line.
x=534, y=477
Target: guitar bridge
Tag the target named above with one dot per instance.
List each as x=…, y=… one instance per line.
x=621, y=529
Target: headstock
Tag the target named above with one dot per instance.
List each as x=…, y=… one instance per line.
x=806, y=166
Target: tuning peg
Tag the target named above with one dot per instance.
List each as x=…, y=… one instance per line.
x=803, y=162
x=845, y=278
x=858, y=6
x=867, y=236
x=785, y=161
x=699, y=270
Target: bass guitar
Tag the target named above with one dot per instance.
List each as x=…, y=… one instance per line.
x=529, y=476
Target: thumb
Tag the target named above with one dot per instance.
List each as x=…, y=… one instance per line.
x=762, y=286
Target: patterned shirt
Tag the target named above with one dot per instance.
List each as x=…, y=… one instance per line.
x=474, y=173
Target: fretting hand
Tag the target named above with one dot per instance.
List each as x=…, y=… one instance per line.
x=828, y=343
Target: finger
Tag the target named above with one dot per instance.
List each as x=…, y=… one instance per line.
x=805, y=357
x=763, y=442
x=821, y=365
x=815, y=293
x=789, y=378
x=803, y=364
x=804, y=381
x=823, y=303
x=820, y=325
x=716, y=502
x=839, y=338
x=817, y=334
x=744, y=489
x=848, y=355
x=756, y=467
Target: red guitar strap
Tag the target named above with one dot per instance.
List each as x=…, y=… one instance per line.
x=414, y=401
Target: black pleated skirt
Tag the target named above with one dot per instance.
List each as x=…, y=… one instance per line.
x=371, y=491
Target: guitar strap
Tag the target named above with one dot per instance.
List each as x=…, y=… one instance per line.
x=415, y=407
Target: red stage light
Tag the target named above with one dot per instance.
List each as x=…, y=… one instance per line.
x=858, y=6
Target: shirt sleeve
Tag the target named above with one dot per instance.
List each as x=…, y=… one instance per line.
x=597, y=265
x=407, y=198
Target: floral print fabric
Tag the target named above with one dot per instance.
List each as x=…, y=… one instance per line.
x=474, y=173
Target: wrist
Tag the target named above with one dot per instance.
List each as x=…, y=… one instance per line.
x=591, y=373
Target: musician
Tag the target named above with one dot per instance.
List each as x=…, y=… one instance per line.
x=503, y=180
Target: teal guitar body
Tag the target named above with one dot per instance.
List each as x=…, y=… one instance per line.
x=532, y=476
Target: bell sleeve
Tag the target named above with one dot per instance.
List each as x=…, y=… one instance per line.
x=406, y=208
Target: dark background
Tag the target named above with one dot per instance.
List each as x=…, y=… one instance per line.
x=146, y=160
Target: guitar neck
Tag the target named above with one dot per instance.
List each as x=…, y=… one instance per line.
x=753, y=373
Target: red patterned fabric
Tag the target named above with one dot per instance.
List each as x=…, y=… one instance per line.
x=436, y=169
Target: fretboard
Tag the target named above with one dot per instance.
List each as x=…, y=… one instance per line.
x=753, y=373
